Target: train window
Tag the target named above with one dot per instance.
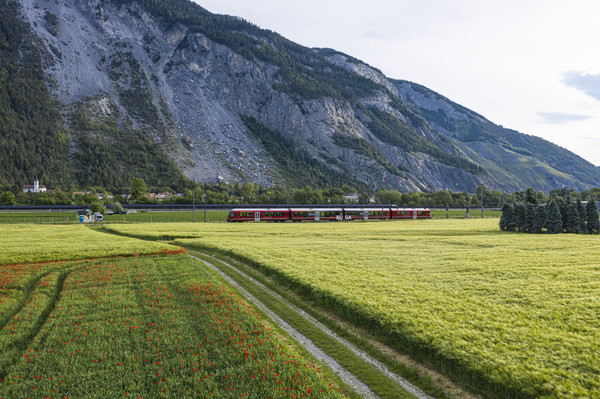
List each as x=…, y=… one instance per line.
x=301, y=214
x=273, y=214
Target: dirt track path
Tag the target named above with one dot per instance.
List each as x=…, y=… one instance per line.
x=344, y=374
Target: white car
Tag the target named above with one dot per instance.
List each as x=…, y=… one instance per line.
x=98, y=217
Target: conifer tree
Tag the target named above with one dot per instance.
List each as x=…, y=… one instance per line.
x=582, y=216
x=518, y=216
x=573, y=220
x=529, y=216
x=510, y=220
x=592, y=221
x=562, y=207
x=506, y=216
x=531, y=196
x=553, y=222
x=538, y=220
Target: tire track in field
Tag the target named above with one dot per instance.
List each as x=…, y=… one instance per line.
x=29, y=287
x=25, y=341
x=409, y=387
x=349, y=378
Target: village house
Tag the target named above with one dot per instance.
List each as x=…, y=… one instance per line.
x=352, y=197
x=102, y=196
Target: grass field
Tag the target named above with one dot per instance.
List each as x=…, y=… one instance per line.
x=38, y=243
x=137, y=217
x=508, y=314
x=166, y=217
x=93, y=315
x=149, y=326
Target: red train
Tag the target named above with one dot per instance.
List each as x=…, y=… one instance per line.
x=332, y=214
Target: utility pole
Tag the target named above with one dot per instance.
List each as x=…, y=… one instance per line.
x=204, y=199
x=194, y=203
x=468, y=206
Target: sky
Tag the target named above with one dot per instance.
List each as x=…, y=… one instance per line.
x=528, y=65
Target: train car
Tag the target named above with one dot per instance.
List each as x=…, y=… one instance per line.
x=326, y=214
x=257, y=215
x=355, y=213
x=300, y=214
x=377, y=213
x=415, y=213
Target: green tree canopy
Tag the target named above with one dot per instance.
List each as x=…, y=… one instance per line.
x=553, y=220
x=538, y=220
x=97, y=206
x=506, y=216
x=573, y=220
x=582, y=216
x=531, y=196
x=138, y=189
x=529, y=218
x=8, y=198
x=592, y=221
x=518, y=216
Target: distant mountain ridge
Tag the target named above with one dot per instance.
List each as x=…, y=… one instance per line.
x=166, y=91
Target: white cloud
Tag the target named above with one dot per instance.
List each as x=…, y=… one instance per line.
x=587, y=82
x=559, y=118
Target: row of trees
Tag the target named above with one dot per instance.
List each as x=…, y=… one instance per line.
x=557, y=216
x=249, y=193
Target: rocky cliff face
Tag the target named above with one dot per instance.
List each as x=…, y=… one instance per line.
x=121, y=68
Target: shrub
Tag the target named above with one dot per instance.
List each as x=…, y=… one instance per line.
x=97, y=206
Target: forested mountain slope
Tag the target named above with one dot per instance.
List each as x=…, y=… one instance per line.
x=166, y=91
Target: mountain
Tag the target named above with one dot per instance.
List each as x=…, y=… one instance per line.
x=94, y=93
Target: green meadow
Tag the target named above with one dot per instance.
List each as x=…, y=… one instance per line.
x=85, y=314
x=507, y=314
x=41, y=243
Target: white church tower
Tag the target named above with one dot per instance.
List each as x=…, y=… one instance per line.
x=36, y=188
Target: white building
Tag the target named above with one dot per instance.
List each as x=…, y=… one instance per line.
x=350, y=198
x=36, y=188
